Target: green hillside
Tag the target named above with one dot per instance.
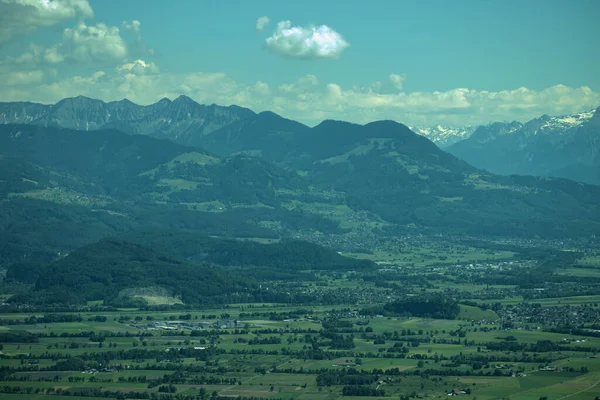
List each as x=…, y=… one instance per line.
x=101, y=271
x=286, y=255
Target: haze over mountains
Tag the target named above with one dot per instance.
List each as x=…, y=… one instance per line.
x=182, y=120
x=78, y=172
x=565, y=146
x=253, y=175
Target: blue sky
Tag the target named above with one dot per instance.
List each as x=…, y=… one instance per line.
x=418, y=62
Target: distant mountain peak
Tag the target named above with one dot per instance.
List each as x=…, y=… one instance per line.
x=79, y=100
x=182, y=120
x=184, y=99
x=444, y=135
x=334, y=122
x=567, y=121
x=561, y=146
x=268, y=114
x=387, y=123
x=271, y=116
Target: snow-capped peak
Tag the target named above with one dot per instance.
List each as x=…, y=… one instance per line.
x=564, y=122
x=444, y=135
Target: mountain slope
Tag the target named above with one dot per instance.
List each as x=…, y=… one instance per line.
x=61, y=189
x=388, y=170
x=566, y=146
x=331, y=178
x=287, y=255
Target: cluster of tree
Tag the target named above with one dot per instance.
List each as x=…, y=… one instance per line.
x=439, y=307
x=541, y=346
x=17, y=336
x=356, y=390
x=349, y=376
x=264, y=340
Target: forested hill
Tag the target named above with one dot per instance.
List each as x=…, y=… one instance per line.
x=100, y=271
x=387, y=169
x=378, y=178
x=286, y=255
x=61, y=189
x=179, y=265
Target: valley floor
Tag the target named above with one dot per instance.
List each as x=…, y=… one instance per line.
x=507, y=340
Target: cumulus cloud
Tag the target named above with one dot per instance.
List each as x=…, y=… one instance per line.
x=20, y=17
x=306, y=42
x=81, y=44
x=305, y=99
x=397, y=81
x=133, y=26
x=394, y=83
x=97, y=42
x=34, y=56
x=333, y=94
x=20, y=78
x=52, y=55
x=139, y=67
x=31, y=56
x=302, y=84
x=261, y=23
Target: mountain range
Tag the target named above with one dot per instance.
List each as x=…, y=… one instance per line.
x=182, y=120
x=255, y=175
x=566, y=147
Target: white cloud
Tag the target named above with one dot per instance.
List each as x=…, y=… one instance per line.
x=133, y=26
x=21, y=78
x=52, y=56
x=261, y=88
x=261, y=23
x=305, y=99
x=31, y=56
x=20, y=17
x=394, y=83
x=81, y=44
x=99, y=42
x=397, y=81
x=139, y=67
x=35, y=56
x=333, y=93
x=306, y=42
x=302, y=84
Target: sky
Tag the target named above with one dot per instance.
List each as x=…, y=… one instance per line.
x=423, y=62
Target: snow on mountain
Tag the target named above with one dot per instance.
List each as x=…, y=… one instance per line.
x=442, y=135
x=563, y=123
x=445, y=136
x=565, y=146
